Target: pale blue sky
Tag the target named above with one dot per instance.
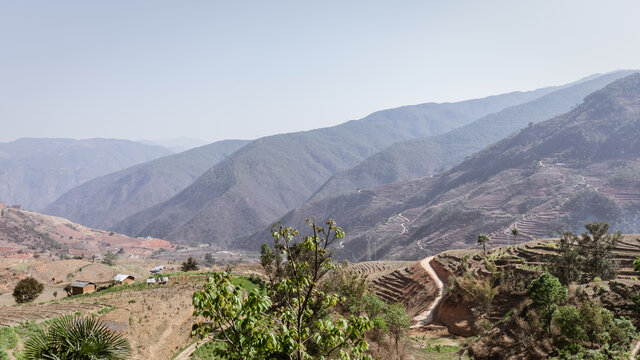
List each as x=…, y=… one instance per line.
x=244, y=69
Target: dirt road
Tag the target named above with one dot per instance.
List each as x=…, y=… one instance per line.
x=426, y=317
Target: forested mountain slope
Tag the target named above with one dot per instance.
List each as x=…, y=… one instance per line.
x=104, y=201
x=35, y=172
x=549, y=177
x=272, y=175
x=427, y=156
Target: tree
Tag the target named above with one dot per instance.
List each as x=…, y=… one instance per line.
x=596, y=321
x=190, y=265
x=76, y=338
x=483, y=240
x=397, y=322
x=567, y=266
x=515, y=232
x=293, y=319
x=596, y=248
x=209, y=260
x=547, y=292
x=569, y=322
x=376, y=310
x=27, y=290
x=109, y=259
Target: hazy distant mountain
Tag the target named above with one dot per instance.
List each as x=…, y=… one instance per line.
x=104, y=201
x=270, y=176
x=35, y=172
x=549, y=177
x=428, y=156
x=177, y=145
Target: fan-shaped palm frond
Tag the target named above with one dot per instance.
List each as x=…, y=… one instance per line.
x=77, y=338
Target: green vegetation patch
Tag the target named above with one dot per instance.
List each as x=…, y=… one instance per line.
x=442, y=348
x=8, y=338
x=205, y=351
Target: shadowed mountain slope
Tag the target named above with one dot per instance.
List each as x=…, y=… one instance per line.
x=272, y=175
x=104, y=201
x=35, y=172
x=428, y=156
x=549, y=177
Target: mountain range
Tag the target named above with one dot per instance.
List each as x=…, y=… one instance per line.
x=549, y=177
x=104, y=201
x=272, y=175
x=35, y=172
x=427, y=156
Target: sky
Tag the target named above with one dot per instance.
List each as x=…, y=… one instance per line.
x=216, y=70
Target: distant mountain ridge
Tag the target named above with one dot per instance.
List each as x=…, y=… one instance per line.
x=35, y=172
x=106, y=200
x=270, y=176
x=427, y=156
x=549, y=177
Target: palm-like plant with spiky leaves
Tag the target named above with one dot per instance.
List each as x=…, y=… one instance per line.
x=77, y=338
x=483, y=240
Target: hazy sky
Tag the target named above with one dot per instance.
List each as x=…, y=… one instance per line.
x=245, y=69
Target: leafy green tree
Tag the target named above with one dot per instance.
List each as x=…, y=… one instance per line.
x=397, y=322
x=241, y=324
x=483, y=240
x=569, y=322
x=294, y=318
x=596, y=248
x=547, y=292
x=376, y=309
x=567, y=266
x=596, y=321
x=515, y=232
x=351, y=286
x=76, y=338
x=27, y=290
x=190, y=265
x=623, y=332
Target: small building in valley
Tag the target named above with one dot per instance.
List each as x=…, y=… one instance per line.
x=123, y=279
x=157, y=269
x=79, y=287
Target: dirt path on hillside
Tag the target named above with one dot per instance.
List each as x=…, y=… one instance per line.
x=427, y=316
x=184, y=355
x=635, y=350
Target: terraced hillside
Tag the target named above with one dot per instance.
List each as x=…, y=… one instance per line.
x=409, y=285
x=550, y=177
x=428, y=156
x=24, y=233
x=510, y=270
x=12, y=315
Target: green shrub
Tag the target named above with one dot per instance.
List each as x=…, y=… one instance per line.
x=8, y=338
x=27, y=290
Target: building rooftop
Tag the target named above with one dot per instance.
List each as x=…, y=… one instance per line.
x=79, y=283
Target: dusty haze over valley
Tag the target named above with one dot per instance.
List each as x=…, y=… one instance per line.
x=327, y=180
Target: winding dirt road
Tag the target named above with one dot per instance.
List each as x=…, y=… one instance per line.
x=426, y=317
